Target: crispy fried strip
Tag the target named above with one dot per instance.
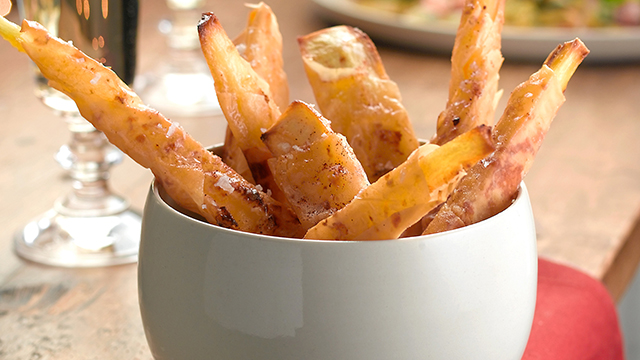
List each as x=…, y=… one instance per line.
x=490, y=185
x=315, y=167
x=260, y=44
x=404, y=195
x=192, y=176
x=354, y=92
x=475, y=64
x=233, y=156
x=11, y=33
x=244, y=97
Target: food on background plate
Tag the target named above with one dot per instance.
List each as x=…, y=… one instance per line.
x=401, y=197
x=475, y=65
x=353, y=91
x=526, y=13
x=196, y=179
x=491, y=184
x=579, y=13
x=314, y=166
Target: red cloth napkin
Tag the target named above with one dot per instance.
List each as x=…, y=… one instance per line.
x=575, y=318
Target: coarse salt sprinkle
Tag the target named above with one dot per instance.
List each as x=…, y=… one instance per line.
x=95, y=79
x=225, y=184
x=172, y=129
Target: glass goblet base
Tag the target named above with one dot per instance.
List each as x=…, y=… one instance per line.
x=71, y=240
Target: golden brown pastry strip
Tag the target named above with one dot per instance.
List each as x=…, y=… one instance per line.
x=191, y=175
x=354, y=92
x=245, y=99
x=260, y=44
x=490, y=185
x=475, y=64
x=404, y=195
x=315, y=167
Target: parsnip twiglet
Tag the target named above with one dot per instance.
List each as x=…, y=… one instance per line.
x=260, y=44
x=355, y=93
x=475, y=64
x=245, y=99
x=491, y=184
x=191, y=175
x=311, y=182
x=315, y=167
x=405, y=194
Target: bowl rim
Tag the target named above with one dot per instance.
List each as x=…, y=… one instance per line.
x=158, y=193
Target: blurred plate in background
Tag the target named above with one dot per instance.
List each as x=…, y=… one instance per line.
x=607, y=45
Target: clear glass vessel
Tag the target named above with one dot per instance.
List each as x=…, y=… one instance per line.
x=181, y=85
x=89, y=226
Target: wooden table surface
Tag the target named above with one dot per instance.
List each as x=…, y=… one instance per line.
x=584, y=186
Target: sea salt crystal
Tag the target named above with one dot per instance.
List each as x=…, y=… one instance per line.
x=285, y=147
x=95, y=79
x=242, y=48
x=225, y=184
x=172, y=129
x=204, y=206
x=486, y=162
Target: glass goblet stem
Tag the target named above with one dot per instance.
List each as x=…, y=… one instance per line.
x=88, y=158
x=89, y=226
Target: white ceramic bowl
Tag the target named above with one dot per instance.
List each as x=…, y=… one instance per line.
x=211, y=293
